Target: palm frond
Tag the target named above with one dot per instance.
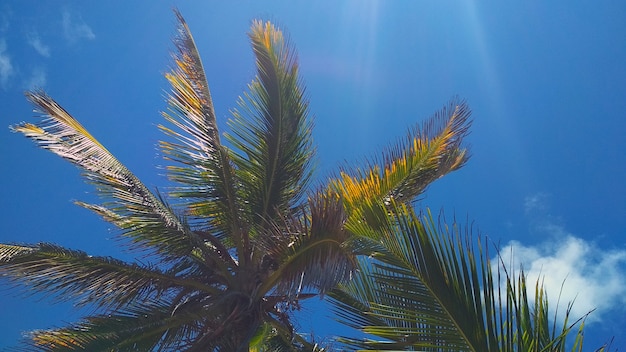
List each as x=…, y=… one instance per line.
x=271, y=129
x=131, y=206
x=204, y=170
x=195, y=323
x=8, y=251
x=384, y=299
x=314, y=253
x=428, y=288
x=150, y=325
x=99, y=281
x=529, y=327
x=405, y=170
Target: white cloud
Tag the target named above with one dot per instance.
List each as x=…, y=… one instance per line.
x=35, y=41
x=6, y=68
x=37, y=78
x=75, y=28
x=570, y=267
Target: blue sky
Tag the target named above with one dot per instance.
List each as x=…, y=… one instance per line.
x=546, y=83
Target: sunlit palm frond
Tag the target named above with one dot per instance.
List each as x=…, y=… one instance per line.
x=402, y=296
x=271, y=129
x=528, y=325
x=130, y=205
x=426, y=287
x=75, y=276
x=8, y=251
x=405, y=170
x=204, y=168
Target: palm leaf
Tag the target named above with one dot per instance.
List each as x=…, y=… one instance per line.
x=399, y=304
x=204, y=169
x=148, y=326
x=314, y=252
x=98, y=281
x=427, y=288
x=145, y=219
x=196, y=323
x=406, y=169
x=271, y=129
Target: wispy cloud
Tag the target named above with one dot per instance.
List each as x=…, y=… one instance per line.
x=6, y=68
x=40, y=47
x=571, y=268
x=37, y=78
x=74, y=28
x=535, y=202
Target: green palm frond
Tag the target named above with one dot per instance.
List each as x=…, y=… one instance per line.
x=428, y=288
x=75, y=276
x=204, y=170
x=405, y=170
x=404, y=290
x=145, y=327
x=530, y=328
x=271, y=129
x=131, y=206
x=167, y=323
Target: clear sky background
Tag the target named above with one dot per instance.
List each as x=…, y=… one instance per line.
x=546, y=83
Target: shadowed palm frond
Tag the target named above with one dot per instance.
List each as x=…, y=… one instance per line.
x=315, y=253
x=168, y=323
x=427, y=288
x=99, y=281
x=405, y=170
x=204, y=170
x=145, y=219
x=271, y=129
x=146, y=327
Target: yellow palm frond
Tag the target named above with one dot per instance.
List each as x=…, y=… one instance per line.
x=406, y=169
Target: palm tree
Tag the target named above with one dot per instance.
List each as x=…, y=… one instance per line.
x=243, y=237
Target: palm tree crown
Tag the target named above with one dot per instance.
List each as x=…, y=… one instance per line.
x=243, y=237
